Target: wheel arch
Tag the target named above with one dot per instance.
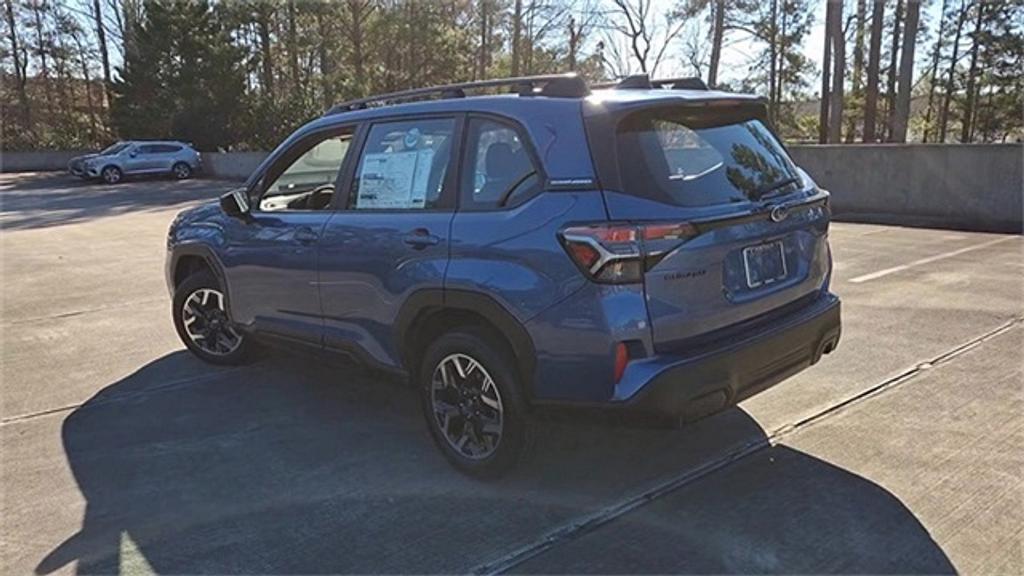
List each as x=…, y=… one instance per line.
x=186, y=259
x=431, y=312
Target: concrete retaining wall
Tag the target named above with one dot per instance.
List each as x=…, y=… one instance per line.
x=232, y=165
x=970, y=186
x=36, y=161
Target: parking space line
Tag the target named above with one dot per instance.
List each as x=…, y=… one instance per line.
x=928, y=260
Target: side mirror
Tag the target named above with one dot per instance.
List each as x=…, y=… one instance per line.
x=133, y=153
x=235, y=203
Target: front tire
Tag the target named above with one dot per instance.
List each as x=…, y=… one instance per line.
x=181, y=171
x=473, y=403
x=111, y=174
x=200, y=317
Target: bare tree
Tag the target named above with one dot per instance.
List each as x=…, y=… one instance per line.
x=647, y=36
x=717, y=37
x=874, y=64
x=826, y=76
x=20, y=64
x=966, y=127
x=902, y=109
x=890, y=92
x=838, y=41
x=933, y=79
x=101, y=38
x=954, y=58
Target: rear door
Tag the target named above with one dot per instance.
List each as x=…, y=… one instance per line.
x=757, y=227
x=389, y=235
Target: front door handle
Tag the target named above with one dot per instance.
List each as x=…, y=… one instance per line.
x=306, y=235
x=420, y=238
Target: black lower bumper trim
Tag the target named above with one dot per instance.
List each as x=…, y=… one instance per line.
x=695, y=388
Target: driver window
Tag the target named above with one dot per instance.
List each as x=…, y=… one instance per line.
x=308, y=182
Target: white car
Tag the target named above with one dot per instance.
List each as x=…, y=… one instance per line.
x=122, y=159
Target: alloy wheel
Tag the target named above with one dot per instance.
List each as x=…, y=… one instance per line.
x=111, y=175
x=206, y=323
x=182, y=171
x=467, y=406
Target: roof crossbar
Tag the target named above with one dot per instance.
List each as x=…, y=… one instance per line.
x=643, y=82
x=554, y=85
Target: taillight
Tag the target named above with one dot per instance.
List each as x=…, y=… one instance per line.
x=620, y=253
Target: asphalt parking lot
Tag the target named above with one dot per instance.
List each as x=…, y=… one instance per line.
x=901, y=452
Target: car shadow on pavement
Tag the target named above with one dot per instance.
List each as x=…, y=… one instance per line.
x=46, y=199
x=289, y=466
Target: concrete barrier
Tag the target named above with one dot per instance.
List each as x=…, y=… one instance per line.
x=46, y=161
x=969, y=186
x=231, y=165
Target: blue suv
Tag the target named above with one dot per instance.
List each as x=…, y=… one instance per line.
x=647, y=246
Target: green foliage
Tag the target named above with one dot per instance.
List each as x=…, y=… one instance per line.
x=181, y=77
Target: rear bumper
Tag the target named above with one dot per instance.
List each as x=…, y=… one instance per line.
x=708, y=380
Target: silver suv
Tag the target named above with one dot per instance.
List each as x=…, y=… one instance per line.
x=138, y=157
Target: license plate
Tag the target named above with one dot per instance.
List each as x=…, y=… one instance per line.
x=764, y=263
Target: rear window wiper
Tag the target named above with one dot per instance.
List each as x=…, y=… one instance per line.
x=765, y=190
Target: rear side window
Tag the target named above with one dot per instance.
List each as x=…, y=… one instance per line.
x=498, y=169
x=694, y=161
x=166, y=148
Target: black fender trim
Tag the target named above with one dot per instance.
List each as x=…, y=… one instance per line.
x=438, y=299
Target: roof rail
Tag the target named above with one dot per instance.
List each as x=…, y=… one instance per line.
x=553, y=85
x=643, y=82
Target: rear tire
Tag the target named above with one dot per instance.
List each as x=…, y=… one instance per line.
x=200, y=316
x=181, y=171
x=473, y=403
x=111, y=174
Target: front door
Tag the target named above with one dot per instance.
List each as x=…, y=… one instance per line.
x=389, y=237
x=271, y=259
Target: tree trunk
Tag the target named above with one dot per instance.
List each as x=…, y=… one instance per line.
x=517, y=31
x=19, y=66
x=890, y=97
x=716, y=42
x=101, y=39
x=293, y=49
x=773, y=57
x=42, y=51
x=944, y=116
x=835, y=121
x=932, y=80
x=966, y=132
x=266, y=61
x=826, y=76
x=874, y=62
x=574, y=41
x=902, y=116
x=858, y=68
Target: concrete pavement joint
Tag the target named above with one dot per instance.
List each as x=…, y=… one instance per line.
x=74, y=313
x=587, y=523
x=172, y=385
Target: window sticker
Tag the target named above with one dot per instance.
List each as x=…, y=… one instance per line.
x=395, y=179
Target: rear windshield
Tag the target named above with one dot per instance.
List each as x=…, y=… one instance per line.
x=694, y=161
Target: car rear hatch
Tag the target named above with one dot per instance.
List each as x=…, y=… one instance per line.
x=730, y=231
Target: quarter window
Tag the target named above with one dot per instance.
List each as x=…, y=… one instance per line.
x=403, y=165
x=498, y=167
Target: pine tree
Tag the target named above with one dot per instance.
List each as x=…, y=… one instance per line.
x=183, y=80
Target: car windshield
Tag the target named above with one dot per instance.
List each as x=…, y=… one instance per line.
x=699, y=161
x=115, y=148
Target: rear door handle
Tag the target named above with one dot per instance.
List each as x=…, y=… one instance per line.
x=306, y=235
x=420, y=238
